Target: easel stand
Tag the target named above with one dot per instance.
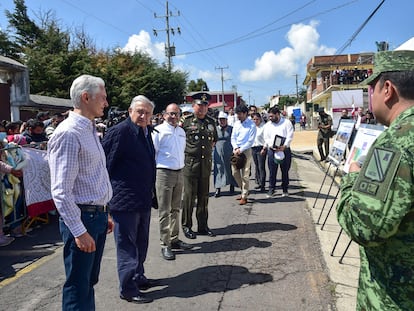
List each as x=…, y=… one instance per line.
x=329, y=190
x=336, y=243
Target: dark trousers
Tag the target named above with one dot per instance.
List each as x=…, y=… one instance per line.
x=82, y=269
x=131, y=235
x=323, y=139
x=195, y=188
x=259, y=162
x=284, y=166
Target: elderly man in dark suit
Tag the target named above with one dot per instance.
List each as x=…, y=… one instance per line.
x=131, y=165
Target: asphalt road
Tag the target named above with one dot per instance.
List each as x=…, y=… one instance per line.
x=266, y=256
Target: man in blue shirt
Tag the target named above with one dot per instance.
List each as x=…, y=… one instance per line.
x=242, y=139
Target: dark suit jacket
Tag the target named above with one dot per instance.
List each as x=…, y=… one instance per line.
x=130, y=159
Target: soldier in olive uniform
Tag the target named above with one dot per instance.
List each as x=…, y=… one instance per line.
x=377, y=202
x=324, y=134
x=201, y=135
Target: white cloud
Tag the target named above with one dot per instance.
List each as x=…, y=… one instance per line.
x=303, y=44
x=142, y=43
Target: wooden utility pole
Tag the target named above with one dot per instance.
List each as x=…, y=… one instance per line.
x=222, y=84
x=169, y=50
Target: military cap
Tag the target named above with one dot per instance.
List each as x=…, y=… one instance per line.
x=201, y=98
x=391, y=61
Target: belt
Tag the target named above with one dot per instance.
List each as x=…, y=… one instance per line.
x=168, y=169
x=89, y=208
x=257, y=147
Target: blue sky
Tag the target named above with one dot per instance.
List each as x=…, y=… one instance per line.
x=263, y=44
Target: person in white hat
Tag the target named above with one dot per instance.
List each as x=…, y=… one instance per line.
x=221, y=156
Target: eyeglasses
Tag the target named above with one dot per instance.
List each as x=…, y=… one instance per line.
x=173, y=114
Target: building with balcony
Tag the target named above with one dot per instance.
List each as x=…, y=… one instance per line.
x=327, y=74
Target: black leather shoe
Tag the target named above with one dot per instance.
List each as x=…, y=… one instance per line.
x=189, y=234
x=217, y=193
x=181, y=245
x=257, y=187
x=148, y=284
x=207, y=231
x=139, y=299
x=167, y=253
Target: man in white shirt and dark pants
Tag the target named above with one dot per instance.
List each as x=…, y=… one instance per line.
x=278, y=150
x=242, y=139
x=169, y=143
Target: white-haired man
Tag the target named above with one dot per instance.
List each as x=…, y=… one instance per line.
x=81, y=189
x=130, y=158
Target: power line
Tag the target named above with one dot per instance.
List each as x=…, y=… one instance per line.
x=348, y=43
x=244, y=38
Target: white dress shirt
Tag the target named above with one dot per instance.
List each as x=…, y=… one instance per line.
x=77, y=170
x=282, y=128
x=259, y=139
x=243, y=134
x=169, y=144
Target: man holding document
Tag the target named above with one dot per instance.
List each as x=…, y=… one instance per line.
x=278, y=134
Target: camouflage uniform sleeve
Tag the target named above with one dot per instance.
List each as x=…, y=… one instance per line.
x=371, y=219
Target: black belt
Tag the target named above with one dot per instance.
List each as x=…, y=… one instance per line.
x=168, y=169
x=257, y=147
x=89, y=208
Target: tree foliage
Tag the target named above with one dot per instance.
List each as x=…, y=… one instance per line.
x=197, y=86
x=55, y=57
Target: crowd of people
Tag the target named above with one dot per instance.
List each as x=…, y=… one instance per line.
x=93, y=166
x=96, y=190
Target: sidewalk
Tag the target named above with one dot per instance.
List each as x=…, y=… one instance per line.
x=311, y=173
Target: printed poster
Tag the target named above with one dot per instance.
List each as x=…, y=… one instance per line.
x=364, y=138
x=343, y=134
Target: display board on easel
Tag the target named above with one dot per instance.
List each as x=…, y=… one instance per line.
x=343, y=134
x=364, y=138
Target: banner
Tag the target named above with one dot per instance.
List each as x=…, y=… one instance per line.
x=36, y=180
x=345, y=100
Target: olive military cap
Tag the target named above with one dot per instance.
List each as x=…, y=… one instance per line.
x=390, y=61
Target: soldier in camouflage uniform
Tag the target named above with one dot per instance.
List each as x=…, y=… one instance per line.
x=201, y=135
x=376, y=208
x=324, y=134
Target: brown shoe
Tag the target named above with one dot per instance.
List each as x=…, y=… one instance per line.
x=243, y=201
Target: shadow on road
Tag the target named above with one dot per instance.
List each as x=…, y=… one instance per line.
x=257, y=227
x=211, y=279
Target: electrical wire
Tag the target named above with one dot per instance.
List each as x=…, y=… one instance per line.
x=244, y=38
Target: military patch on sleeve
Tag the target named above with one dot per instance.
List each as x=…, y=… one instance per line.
x=378, y=172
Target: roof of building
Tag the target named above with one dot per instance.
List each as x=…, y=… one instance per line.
x=40, y=100
x=6, y=62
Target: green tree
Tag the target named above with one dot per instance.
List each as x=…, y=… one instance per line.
x=27, y=32
x=56, y=56
x=7, y=47
x=197, y=86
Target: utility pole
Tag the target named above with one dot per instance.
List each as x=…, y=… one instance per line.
x=169, y=50
x=297, y=90
x=249, y=91
x=222, y=84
